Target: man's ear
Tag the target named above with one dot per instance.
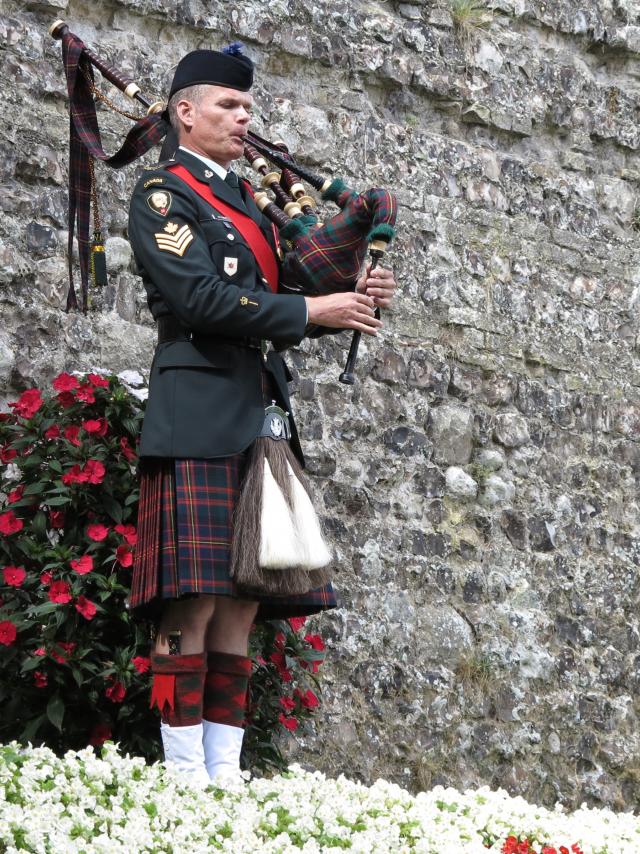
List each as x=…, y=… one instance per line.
x=185, y=110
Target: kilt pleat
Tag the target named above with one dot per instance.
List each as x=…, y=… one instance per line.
x=185, y=531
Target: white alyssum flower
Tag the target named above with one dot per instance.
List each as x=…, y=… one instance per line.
x=84, y=803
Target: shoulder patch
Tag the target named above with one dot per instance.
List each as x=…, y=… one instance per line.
x=174, y=239
x=153, y=181
x=160, y=202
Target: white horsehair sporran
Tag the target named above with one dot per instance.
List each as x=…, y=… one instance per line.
x=278, y=546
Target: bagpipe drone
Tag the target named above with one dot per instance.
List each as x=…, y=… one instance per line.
x=323, y=258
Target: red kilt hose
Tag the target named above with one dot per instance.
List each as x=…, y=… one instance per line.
x=185, y=528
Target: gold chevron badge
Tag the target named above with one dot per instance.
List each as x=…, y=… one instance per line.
x=174, y=239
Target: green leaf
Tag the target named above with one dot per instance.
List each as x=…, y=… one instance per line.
x=55, y=466
x=60, y=501
x=29, y=732
x=55, y=711
x=39, y=524
x=36, y=488
x=112, y=507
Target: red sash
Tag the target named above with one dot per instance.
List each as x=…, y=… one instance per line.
x=250, y=231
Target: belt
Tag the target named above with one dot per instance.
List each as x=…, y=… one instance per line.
x=170, y=329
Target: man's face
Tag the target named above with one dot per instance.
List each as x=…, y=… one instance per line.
x=217, y=124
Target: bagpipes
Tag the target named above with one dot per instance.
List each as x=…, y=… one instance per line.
x=324, y=258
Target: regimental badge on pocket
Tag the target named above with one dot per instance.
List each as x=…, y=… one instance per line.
x=231, y=266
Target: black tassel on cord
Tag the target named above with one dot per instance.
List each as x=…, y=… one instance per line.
x=98, y=260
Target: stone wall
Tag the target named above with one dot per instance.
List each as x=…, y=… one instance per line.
x=480, y=481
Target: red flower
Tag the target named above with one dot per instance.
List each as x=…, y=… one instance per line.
x=124, y=556
x=94, y=470
x=85, y=394
x=7, y=454
x=99, y=734
x=40, y=651
x=127, y=451
x=309, y=700
x=8, y=632
x=67, y=646
x=16, y=494
x=9, y=523
x=40, y=679
x=14, y=575
x=86, y=608
x=97, y=532
x=315, y=641
x=56, y=518
x=141, y=663
x=75, y=475
x=287, y=703
x=71, y=435
x=45, y=578
x=128, y=532
x=65, y=382
x=116, y=692
x=96, y=425
x=83, y=565
x=297, y=623
x=98, y=381
x=28, y=403
x=280, y=662
x=279, y=640
x=52, y=433
x=66, y=399
x=59, y=593
x=288, y=723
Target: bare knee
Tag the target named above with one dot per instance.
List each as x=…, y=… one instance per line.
x=189, y=617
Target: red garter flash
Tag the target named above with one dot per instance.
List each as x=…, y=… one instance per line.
x=163, y=691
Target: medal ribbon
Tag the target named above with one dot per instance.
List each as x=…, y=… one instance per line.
x=250, y=230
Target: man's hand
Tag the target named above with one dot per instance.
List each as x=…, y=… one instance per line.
x=344, y=311
x=378, y=284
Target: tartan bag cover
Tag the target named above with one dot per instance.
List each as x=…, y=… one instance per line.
x=331, y=256
x=85, y=142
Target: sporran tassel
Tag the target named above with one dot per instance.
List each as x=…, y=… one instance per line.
x=278, y=547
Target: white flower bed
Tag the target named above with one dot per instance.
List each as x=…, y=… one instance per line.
x=82, y=803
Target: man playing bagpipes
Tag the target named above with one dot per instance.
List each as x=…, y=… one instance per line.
x=227, y=533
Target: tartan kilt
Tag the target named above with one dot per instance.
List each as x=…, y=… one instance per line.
x=185, y=529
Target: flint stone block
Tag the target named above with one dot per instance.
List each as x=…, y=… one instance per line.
x=451, y=431
x=490, y=459
x=41, y=239
x=497, y=491
x=511, y=430
x=447, y=637
x=428, y=373
x=390, y=368
x=460, y=485
x=118, y=254
x=409, y=443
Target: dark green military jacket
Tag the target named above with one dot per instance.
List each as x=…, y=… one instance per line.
x=205, y=391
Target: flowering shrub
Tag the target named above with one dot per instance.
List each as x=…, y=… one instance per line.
x=75, y=666
x=117, y=804
x=282, y=691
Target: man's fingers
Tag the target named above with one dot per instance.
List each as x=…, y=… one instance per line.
x=377, y=291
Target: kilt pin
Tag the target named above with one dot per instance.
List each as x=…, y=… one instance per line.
x=211, y=378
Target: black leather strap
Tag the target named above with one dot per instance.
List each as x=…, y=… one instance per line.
x=170, y=329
